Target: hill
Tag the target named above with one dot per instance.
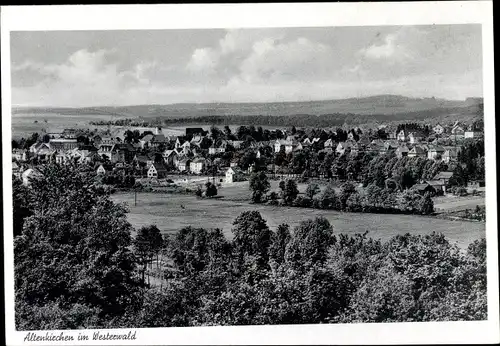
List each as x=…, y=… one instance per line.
x=381, y=105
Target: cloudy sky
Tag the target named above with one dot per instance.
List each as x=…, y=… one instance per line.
x=89, y=68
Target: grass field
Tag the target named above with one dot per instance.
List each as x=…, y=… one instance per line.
x=166, y=213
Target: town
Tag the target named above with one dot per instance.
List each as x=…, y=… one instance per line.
x=430, y=155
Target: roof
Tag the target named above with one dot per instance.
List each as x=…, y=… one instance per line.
x=159, y=138
x=159, y=167
x=421, y=186
x=443, y=175
x=436, y=148
x=434, y=182
x=417, y=150
x=235, y=170
x=147, y=138
x=198, y=160
x=15, y=165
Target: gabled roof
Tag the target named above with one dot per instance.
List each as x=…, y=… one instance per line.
x=159, y=138
x=147, y=138
x=443, y=175
x=159, y=167
x=417, y=150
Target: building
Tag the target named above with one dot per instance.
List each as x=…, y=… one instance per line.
x=424, y=188
x=283, y=144
x=417, y=151
x=157, y=170
x=473, y=134
x=435, y=153
x=217, y=149
x=443, y=177
x=145, y=141
x=197, y=165
x=329, y=143
x=234, y=174
x=343, y=147
x=158, y=140
x=183, y=165
x=402, y=151
x=450, y=155
x=28, y=175
x=171, y=157
x=101, y=170
x=415, y=137
x=401, y=136
x=19, y=154
x=438, y=129
x=63, y=143
x=438, y=185
x=457, y=132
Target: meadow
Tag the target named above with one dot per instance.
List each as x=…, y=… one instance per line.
x=171, y=212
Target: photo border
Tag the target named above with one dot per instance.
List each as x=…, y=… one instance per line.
x=141, y=17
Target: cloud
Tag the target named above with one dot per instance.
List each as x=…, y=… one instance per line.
x=391, y=49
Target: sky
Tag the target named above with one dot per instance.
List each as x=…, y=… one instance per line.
x=98, y=68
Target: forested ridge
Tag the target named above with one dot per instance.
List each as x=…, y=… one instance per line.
x=78, y=266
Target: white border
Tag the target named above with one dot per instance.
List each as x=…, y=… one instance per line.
x=270, y=15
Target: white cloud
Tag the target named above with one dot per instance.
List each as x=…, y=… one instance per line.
x=390, y=49
x=203, y=59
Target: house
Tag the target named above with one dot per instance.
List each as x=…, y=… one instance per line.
x=401, y=136
x=29, y=175
x=402, y=151
x=89, y=157
x=102, y=169
x=443, y=177
x=328, y=143
x=235, y=144
x=435, y=153
x=473, y=134
x=438, y=185
x=234, y=174
x=145, y=141
x=438, y=129
x=62, y=158
x=415, y=137
x=387, y=148
x=171, y=157
x=70, y=133
x=217, y=149
x=16, y=170
x=423, y=188
x=63, y=143
x=183, y=165
x=283, y=144
x=157, y=170
x=158, y=140
x=19, y=155
x=450, y=155
x=342, y=147
x=40, y=149
x=417, y=151
x=457, y=132
x=197, y=165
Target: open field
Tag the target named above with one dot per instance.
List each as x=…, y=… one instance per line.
x=165, y=211
x=455, y=203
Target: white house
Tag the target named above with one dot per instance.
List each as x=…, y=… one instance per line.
x=283, y=144
x=234, y=174
x=401, y=136
x=157, y=171
x=197, y=165
x=433, y=153
x=101, y=170
x=438, y=129
x=329, y=143
x=183, y=165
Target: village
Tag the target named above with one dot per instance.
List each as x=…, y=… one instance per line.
x=229, y=158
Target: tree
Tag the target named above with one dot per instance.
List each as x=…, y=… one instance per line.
x=310, y=242
x=259, y=185
x=426, y=205
x=252, y=238
x=211, y=189
x=20, y=204
x=291, y=191
x=147, y=244
x=74, y=248
x=329, y=198
x=279, y=242
x=312, y=190
x=345, y=191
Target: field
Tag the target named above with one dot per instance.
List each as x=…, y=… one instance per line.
x=172, y=212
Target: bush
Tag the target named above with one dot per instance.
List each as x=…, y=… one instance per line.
x=459, y=191
x=302, y=201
